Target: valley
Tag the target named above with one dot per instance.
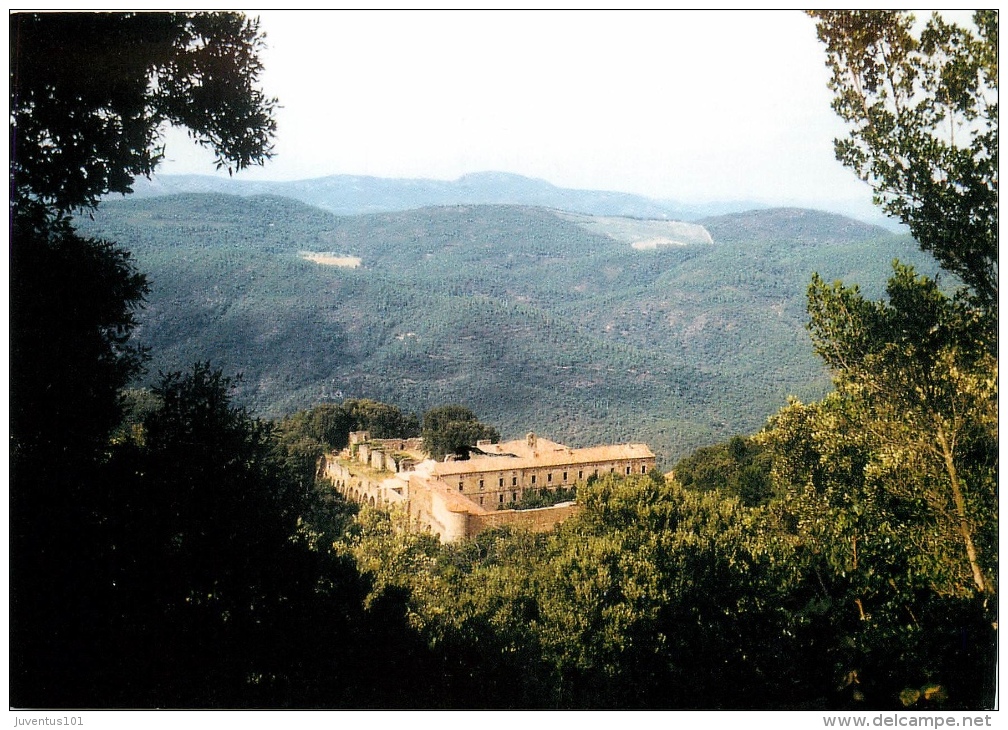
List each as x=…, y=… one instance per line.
x=537, y=319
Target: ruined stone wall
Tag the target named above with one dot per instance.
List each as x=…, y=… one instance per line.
x=357, y=437
x=393, y=455
x=406, y=444
x=364, y=488
x=536, y=520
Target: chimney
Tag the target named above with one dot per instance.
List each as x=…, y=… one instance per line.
x=530, y=439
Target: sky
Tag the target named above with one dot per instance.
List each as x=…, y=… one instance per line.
x=692, y=106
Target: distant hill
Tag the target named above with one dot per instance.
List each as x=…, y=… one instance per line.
x=793, y=225
x=352, y=195
x=536, y=319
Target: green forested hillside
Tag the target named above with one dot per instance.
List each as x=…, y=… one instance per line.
x=523, y=314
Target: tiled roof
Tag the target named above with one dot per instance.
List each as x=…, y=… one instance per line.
x=544, y=454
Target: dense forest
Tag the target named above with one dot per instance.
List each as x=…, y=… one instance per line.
x=171, y=547
x=536, y=320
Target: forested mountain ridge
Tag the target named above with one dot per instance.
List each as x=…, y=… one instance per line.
x=528, y=316
x=357, y=194
x=796, y=225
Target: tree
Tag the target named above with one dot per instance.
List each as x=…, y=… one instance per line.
x=308, y=435
x=73, y=302
x=223, y=589
x=923, y=112
x=919, y=379
x=91, y=93
x=211, y=512
x=889, y=601
x=888, y=484
x=453, y=429
x=738, y=467
x=73, y=306
x=380, y=420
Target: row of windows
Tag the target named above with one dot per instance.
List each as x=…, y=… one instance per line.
x=549, y=478
x=500, y=498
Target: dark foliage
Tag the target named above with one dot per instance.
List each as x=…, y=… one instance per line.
x=199, y=573
x=739, y=467
x=454, y=429
x=72, y=308
x=90, y=92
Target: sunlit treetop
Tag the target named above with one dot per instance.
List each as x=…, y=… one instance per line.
x=921, y=102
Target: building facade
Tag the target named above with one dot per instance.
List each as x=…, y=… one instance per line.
x=458, y=499
x=503, y=473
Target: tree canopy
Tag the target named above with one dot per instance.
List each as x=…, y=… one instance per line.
x=91, y=94
x=918, y=374
x=923, y=115
x=918, y=379
x=454, y=429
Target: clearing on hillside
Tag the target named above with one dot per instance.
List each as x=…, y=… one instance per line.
x=642, y=234
x=331, y=259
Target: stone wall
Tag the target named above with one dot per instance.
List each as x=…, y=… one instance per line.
x=433, y=510
x=543, y=519
x=376, y=490
x=393, y=455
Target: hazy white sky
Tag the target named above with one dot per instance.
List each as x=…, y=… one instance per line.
x=685, y=105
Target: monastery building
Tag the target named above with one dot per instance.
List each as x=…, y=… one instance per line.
x=457, y=499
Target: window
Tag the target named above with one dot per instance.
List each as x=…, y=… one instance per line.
x=643, y=468
x=549, y=478
x=514, y=481
x=533, y=478
x=580, y=473
x=514, y=496
x=481, y=501
x=481, y=484
x=460, y=486
x=565, y=476
x=628, y=471
x=500, y=482
x=502, y=499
